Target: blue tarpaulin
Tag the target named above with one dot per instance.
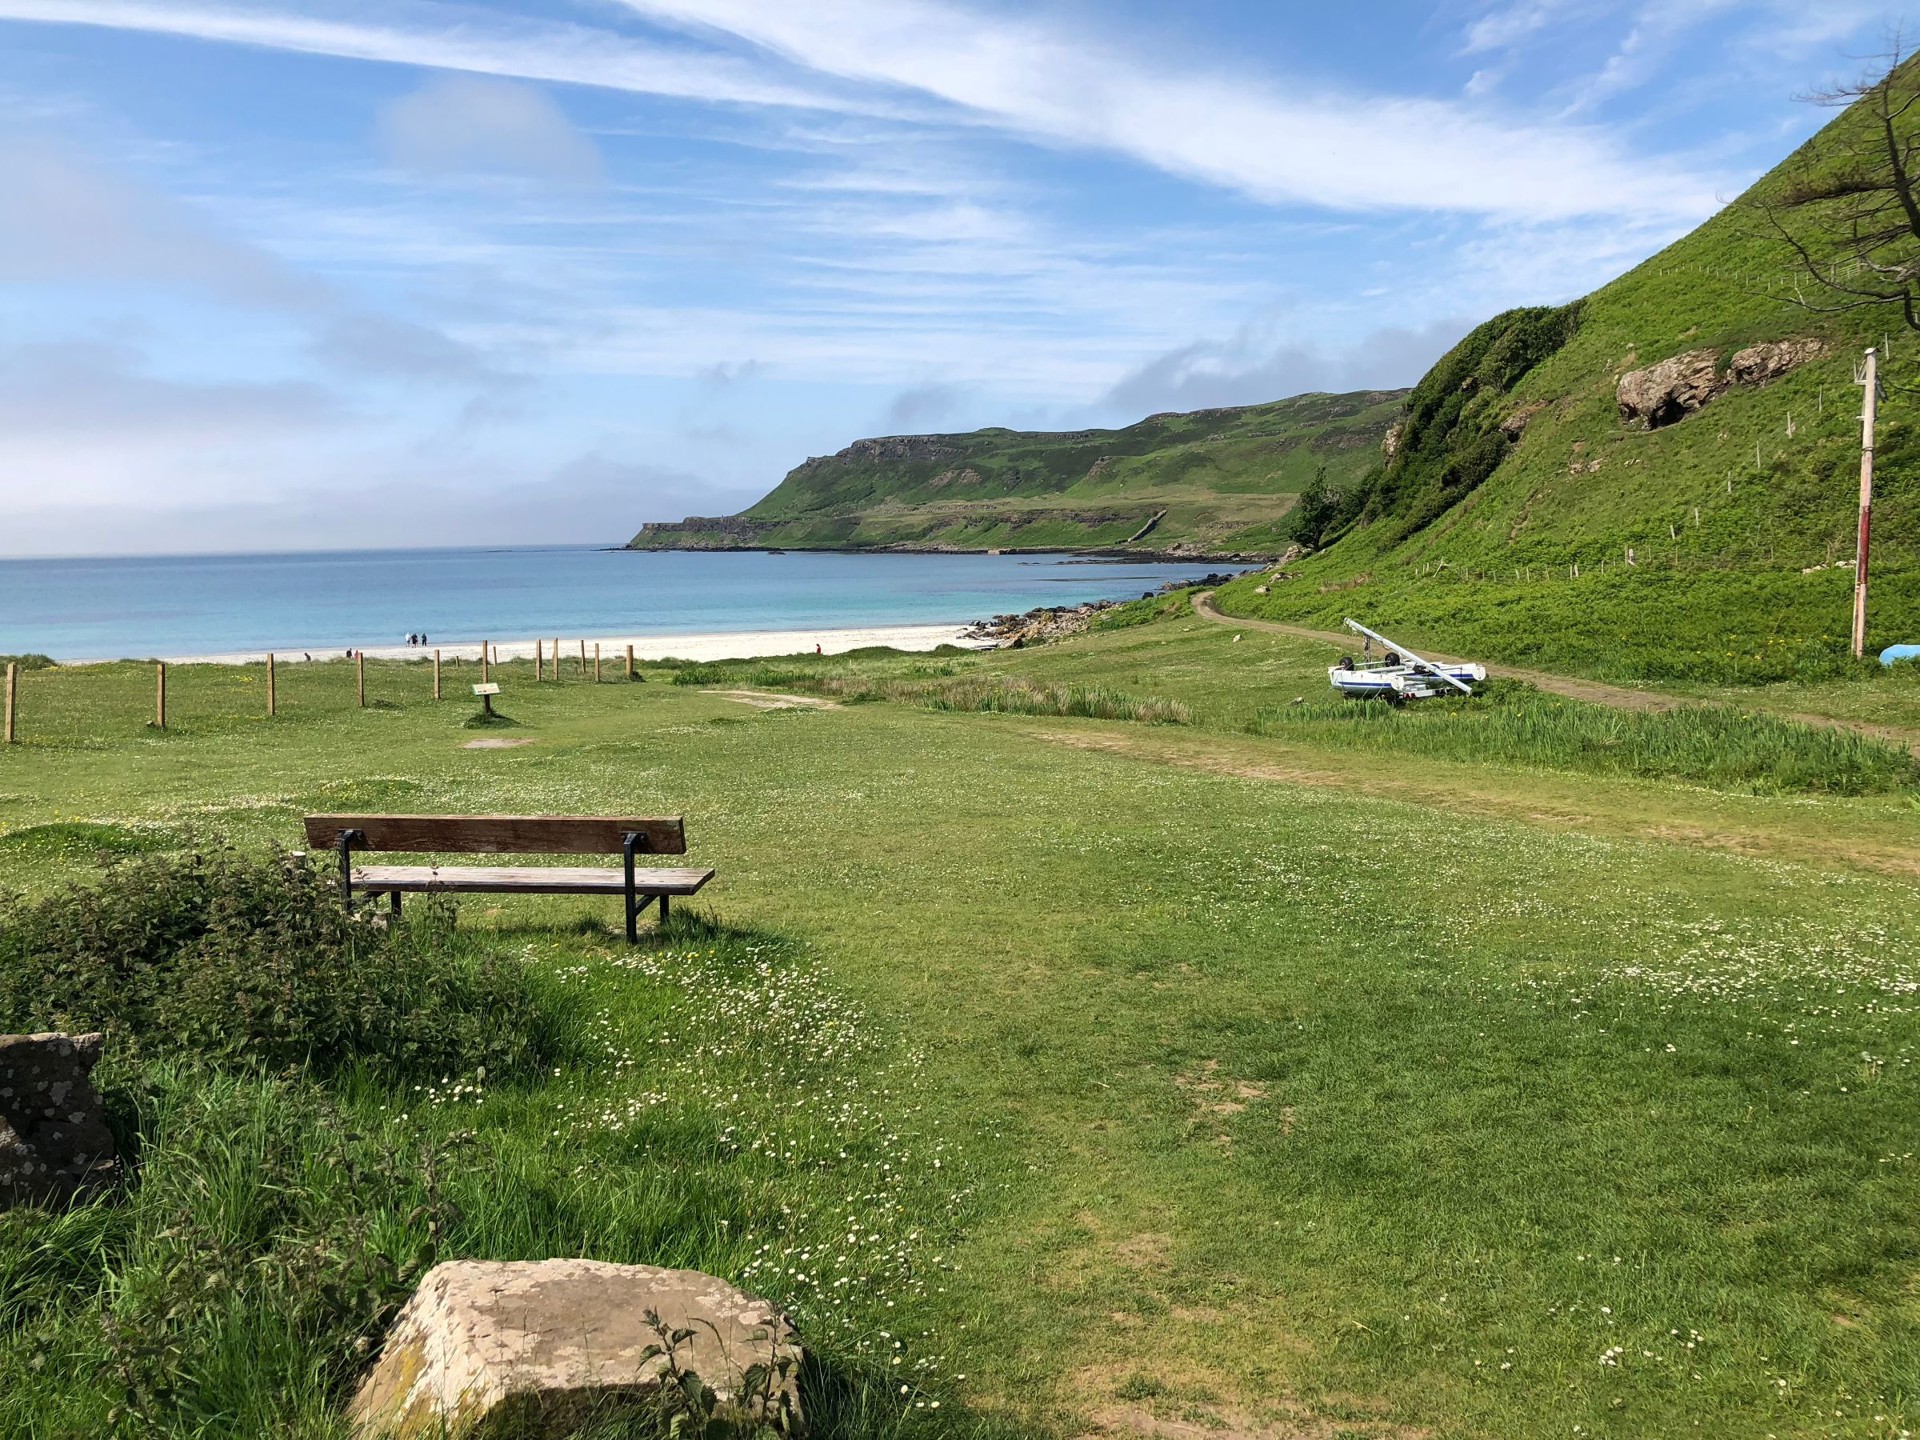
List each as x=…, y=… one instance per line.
x=1895, y=653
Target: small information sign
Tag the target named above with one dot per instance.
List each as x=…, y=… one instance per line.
x=490, y=688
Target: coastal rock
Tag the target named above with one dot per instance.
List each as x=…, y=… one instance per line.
x=536, y=1347
x=1672, y=390
x=53, y=1134
x=1390, y=442
x=1758, y=364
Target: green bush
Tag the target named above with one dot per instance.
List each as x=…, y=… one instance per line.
x=253, y=959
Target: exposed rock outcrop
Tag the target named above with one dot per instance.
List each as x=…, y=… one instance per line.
x=535, y=1347
x=1672, y=390
x=1758, y=364
x=53, y=1133
x=896, y=448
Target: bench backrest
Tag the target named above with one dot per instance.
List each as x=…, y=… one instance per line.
x=501, y=834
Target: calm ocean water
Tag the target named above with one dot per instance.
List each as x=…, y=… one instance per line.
x=201, y=605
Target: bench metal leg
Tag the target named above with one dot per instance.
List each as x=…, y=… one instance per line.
x=636, y=840
x=663, y=912
x=393, y=898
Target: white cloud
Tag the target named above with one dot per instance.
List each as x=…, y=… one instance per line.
x=465, y=123
x=1276, y=142
x=443, y=37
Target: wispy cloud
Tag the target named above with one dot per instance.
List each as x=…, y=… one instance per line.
x=1291, y=143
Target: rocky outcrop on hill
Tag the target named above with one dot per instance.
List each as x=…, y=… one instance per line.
x=1758, y=364
x=895, y=449
x=53, y=1132
x=536, y=1347
x=1662, y=394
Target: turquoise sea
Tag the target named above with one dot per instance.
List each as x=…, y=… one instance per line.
x=90, y=609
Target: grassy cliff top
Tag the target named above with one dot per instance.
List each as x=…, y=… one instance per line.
x=1207, y=482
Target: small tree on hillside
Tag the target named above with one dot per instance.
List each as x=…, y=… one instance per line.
x=1850, y=208
x=1321, y=511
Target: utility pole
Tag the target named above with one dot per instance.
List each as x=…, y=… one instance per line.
x=1870, y=378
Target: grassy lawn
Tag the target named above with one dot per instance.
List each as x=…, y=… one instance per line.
x=1145, y=1076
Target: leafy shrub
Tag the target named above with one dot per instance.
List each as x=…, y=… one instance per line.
x=254, y=960
x=27, y=662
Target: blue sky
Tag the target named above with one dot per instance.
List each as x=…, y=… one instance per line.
x=302, y=275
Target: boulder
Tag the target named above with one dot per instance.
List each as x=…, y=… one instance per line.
x=53, y=1134
x=535, y=1347
x=1671, y=390
x=1758, y=364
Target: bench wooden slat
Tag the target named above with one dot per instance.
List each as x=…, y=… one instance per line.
x=501, y=834
x=512, y=879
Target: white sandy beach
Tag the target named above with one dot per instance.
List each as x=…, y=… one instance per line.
x=740, y=645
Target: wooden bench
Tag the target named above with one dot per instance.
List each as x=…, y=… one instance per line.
x=510, y=835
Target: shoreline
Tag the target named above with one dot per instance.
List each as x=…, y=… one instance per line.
x=725, y=645
x=1090, y=554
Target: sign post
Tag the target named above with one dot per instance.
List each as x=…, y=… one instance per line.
x=486, y=693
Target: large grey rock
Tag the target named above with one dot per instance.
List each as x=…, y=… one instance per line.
x=535, y=1346
x=1675, y=388
x=1671, y=390
x=1758, y=364
x=53, y=1136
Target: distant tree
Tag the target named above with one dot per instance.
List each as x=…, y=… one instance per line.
x=1849, y=210
x=1322, y=510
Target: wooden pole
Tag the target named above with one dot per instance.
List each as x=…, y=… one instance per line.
x=583, y=659
x=1868, y=414
x=486, y=647
x=629, y=662
x=160, y=695
x=13, y=696
x=436, y=674
x=273, y=700
x=539, y=662
x=596, y=662
x=360, y=676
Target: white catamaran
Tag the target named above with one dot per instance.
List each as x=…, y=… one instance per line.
x=1399, y=674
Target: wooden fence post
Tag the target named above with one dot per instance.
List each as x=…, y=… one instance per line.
x=436, y=674
x=629, y=662
x=583, y=659
x=160, y=695
x=486, y=663
x=360, y=676
x=539, y=662
x=596, y=662
x=13, y=694
x=273, y=705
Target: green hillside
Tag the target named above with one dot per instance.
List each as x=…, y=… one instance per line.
x=1213, y=482
x=1525, y=514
